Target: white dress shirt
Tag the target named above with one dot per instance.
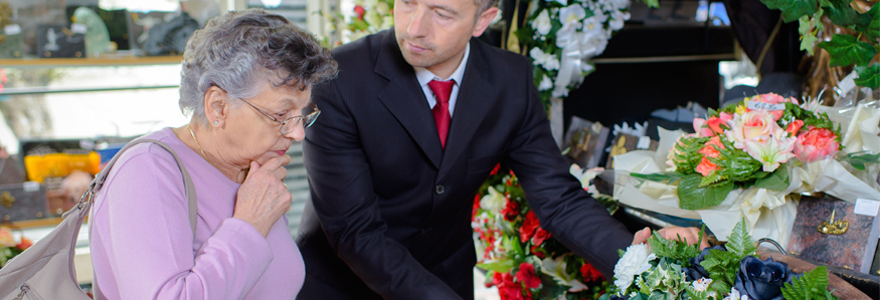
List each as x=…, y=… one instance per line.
x=424, y=76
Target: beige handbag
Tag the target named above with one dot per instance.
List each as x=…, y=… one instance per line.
x=45, y=270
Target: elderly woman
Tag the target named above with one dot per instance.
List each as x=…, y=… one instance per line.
x=246, y=81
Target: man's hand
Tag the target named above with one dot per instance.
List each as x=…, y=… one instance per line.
x=690, y=235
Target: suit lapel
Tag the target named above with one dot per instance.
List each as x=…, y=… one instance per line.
x=405, y=100
x=475, y=97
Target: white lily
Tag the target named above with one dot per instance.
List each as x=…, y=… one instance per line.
x=542, y=24
x=571, y=17
x=546, y=84
x=546, y=60
x=772, y=151
x=555, y=268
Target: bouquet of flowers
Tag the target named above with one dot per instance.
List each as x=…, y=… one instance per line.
x=745, y=160
x=9, y=248
x=522, y=259
x=675, y=270
x=370, y=16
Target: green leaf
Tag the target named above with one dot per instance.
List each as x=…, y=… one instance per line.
x=859, y=160
x=740, y=243
x=873, y=27
x=691, y=196
x=845, y=50
x=842, y=14
x=812, y=285
x=500, y=267
x=868, y=76
x=793, y=9
x=779, y=180
x=666, y=177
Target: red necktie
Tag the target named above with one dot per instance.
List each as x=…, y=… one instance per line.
x=441, y=90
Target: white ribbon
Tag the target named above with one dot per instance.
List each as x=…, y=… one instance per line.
x=574, y=56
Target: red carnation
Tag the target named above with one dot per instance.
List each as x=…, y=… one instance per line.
x=476, y=206
x=530, y=224
x=526, y=275
x=590, y=273
x=540, y=236
x=511, y=210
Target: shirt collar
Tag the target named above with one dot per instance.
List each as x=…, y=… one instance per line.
x=424, y=76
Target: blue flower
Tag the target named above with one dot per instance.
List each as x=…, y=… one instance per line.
x=696, y=271
x=762, y=280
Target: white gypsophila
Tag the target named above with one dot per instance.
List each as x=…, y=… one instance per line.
x=542, y=23
x=546, y=84
x=546, y=60
x=634, y=262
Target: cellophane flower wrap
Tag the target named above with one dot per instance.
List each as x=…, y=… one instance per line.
x=674, y=270
x=523, y=260
x=748, y=159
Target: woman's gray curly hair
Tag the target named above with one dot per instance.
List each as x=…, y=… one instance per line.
x=237, y=50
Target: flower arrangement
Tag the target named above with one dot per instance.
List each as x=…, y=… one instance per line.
x=747, y=160
x=9, y=248
x=746, y=144
x=522, y=259
x=675, y=270
x=370, y=16
x=563, y=35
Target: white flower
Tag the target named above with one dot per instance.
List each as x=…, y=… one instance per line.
x=593, y=25
x=617, y=19
x=493, y=201
x=571, y=17
x=546, y=84
x=547, y=60
x=634, y=262
x=701, y=284
x=561, y=2
x=734, y=295
x=542, y=24
x=618, y=4
x=595, y=44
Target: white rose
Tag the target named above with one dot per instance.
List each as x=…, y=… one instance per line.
x=545, y=84
x=542, y=24
x=634, y=262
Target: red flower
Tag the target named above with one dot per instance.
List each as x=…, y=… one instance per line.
x=590, y=273
x=495, y=170
x=25, y=243
x=476, y=206
x=530, y=224
x=538, y=251
x=511, y=210
x=359, y=11
x=540, y=236
x=526, y=275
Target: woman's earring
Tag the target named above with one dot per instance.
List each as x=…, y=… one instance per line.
x=216, y=122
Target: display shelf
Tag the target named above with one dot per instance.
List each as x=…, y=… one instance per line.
x=89, y=62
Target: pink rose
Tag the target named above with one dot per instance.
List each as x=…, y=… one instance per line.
x=815, y=144
x=701, y=128
x=709, y=150
x=6, y=239
x=774, y=99
x=753, y=124
x=794, y=127
x=716, y=122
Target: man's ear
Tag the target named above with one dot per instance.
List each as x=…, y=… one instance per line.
x=216, y=105
x=484, y=20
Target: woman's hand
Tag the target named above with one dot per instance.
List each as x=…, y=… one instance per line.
x=263, y=198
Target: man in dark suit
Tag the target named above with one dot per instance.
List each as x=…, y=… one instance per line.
x=410, y=129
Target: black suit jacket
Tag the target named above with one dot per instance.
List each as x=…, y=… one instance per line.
x=390, y=209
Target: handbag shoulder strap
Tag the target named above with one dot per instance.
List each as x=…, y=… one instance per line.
x=98, y=182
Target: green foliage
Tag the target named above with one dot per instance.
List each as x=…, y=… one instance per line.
x=846, y=50
x=859, y=159
x=666, y=281
x=500, y=267
x=687, y=155
x=779, y=180
x=868, y=76
x=692, y=196
x=674, y=250
x=795, y=112
x=723, y=265
x=792, y=9
x=872, y=30
x=812, y=285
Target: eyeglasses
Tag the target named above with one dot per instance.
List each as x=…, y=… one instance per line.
x=308, y=117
